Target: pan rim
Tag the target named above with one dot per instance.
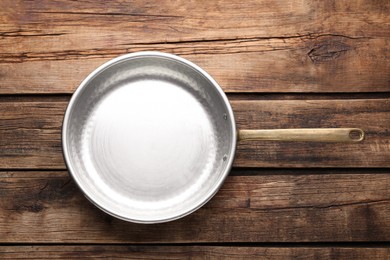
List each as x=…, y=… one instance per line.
x=78, y=92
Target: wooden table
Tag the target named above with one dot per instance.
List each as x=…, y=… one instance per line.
x=283, y=64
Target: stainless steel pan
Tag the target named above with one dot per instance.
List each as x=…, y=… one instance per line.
x=150, y=137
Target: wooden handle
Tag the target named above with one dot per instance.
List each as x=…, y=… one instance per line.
x=304, y=134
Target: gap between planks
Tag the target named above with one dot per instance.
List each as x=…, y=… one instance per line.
x=191, y=252
x=244, y=171
x=239, y=96
x=357, y=244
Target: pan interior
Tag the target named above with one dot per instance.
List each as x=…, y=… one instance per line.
x=149, y=138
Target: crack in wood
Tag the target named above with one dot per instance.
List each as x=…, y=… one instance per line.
x=66, y=184
x=28, y=33
x=309, y=36
x=230, y=46
x=108, y=14
x=360, y=203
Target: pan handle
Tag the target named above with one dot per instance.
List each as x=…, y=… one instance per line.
x=304, y=134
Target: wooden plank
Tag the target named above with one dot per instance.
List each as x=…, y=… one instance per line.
x=284, y=207
x=150, y=22
x=191, y=252
x=307, y=64
x=31, y=132
x=260, y=46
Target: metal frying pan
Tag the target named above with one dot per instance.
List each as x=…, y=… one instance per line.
x=150, y=137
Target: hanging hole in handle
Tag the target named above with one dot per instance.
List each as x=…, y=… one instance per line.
x=356, y=134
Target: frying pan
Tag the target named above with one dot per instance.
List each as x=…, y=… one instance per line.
x=150, y=137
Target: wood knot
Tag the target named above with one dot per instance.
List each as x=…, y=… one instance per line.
x=327, y=49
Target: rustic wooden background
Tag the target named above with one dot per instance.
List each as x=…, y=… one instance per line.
x=283, y=64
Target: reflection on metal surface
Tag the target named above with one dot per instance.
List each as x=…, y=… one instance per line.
x=149, y=137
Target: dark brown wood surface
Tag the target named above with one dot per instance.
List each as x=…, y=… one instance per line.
x=256, y=46
x=191, y=252
x=252, y=206
x=284, y=64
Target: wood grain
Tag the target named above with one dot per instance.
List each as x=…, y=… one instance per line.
x=260, y=46
x=191, y=252
x=31, y=133
x=284, y=64
x=284, y=207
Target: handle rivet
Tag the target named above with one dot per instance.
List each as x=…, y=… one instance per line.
x=225, y=116
x=224, y=157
